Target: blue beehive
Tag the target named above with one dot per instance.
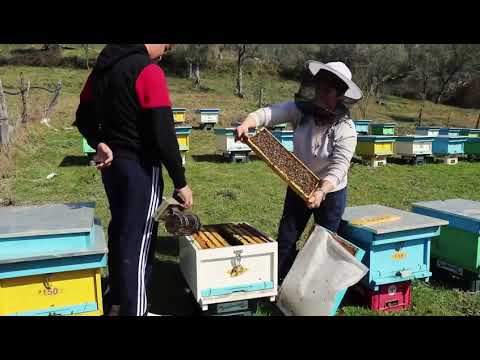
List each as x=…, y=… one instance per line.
x=450, y=131
x=397, y=249
x=361, y=126
x=63, y=236
x=285, y=137
x=448, y=145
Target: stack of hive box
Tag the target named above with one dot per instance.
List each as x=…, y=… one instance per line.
x=50, y=260
x=397, y=246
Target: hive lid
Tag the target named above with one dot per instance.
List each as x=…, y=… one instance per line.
x=457, y=207
x=370, y=138
x=51, y=219
x=384, y=124
x=208, y=110
x=98, y=245
x=428, y=127
x=361, y=121
x=407, y=221
x=451, y=137
x=415, y=138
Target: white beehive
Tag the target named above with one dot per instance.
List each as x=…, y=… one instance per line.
x=412, y=145
x=236, y=262
x=225, y=141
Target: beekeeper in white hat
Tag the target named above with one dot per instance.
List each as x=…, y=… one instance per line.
x=324, y=139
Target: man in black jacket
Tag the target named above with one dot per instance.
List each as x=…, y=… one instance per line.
x=125, y=114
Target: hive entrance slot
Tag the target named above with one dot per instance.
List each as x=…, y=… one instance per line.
x=391, y=303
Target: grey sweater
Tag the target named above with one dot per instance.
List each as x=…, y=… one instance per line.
x=326, y=150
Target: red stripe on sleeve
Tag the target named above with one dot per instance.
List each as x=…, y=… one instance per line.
x=86, y=94
x=152, y=89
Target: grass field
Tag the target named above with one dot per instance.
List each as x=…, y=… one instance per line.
x=237, y=192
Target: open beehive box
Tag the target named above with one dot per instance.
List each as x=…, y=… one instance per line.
x=229, y=262
x=225, y=235
x=285, y=164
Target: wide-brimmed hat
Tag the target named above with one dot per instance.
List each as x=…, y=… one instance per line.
x=340, y=70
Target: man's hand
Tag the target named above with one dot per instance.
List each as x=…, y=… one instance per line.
x=104, y=156
x=242, y=130
x=316, y=199
x=186, y=195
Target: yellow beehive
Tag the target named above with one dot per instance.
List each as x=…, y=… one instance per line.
x=375, y=145
x=179, y=115
x=76, y=292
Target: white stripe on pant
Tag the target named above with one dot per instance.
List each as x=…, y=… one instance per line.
x=147, y=233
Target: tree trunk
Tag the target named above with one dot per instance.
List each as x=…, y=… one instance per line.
x=24, y=90
x=420, y=116
x=440, y=92
x=190, y=70
x=478, y=122
x=3, y=104
x=196, y=82
x=260, y=98
x=240, y=82
x=86, y=57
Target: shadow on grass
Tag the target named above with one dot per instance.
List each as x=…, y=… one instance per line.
x=167, y=245
x=215, y=158
x=74, y=160
x=168, y=293
x=403, y=119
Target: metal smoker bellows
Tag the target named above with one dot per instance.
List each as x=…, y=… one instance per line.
x=177, y=221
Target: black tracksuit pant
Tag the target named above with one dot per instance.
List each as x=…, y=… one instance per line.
x=134, y=191
x=295, y=218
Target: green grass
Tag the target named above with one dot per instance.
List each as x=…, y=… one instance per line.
x=230, y=192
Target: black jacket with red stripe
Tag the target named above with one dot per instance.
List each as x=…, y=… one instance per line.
x=125, y=104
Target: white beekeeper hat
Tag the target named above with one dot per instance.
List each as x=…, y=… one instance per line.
x=342, y=72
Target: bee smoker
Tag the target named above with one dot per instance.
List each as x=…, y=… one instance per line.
x=177, y=220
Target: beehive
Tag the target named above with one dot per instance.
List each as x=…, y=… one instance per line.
x=382, y=129
x=388, y=298
x=362, y=126
x=450, y=131
x=459, y=242
x=50, y=260
x=225, y=141
x=397, y=249
x=427, y=130
x=412, y=145
x=375, y=145
x=183, y=138
x=229, y=262
x=179, y=115
x=87, y=149
x=448, y=145
x=475, y=133
x=284, y=163
x=472, y=146
x=285, y=137
x=208, y=116
x=278, y=127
